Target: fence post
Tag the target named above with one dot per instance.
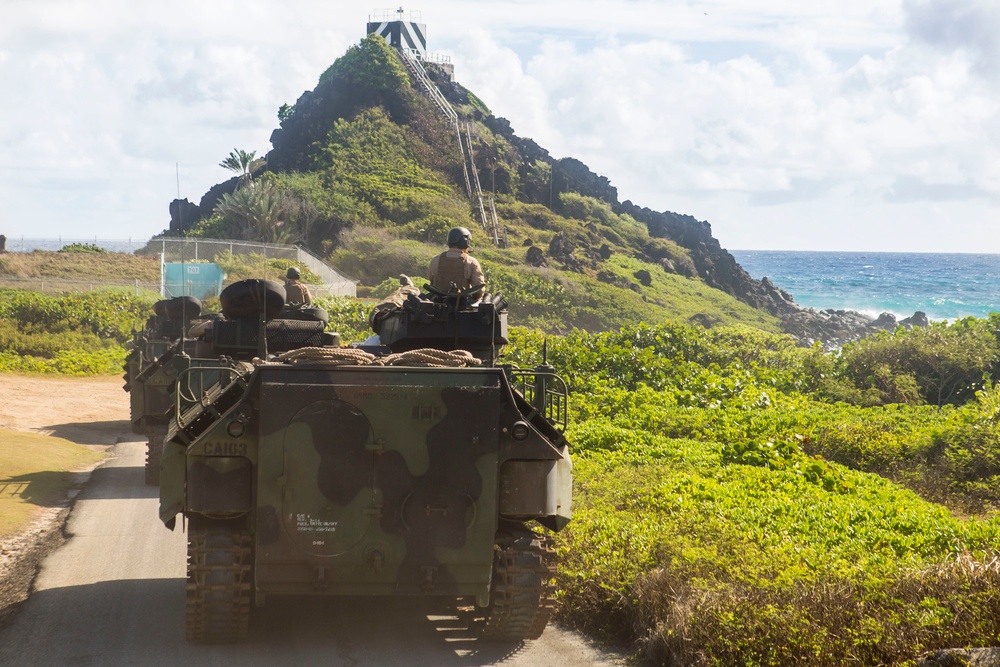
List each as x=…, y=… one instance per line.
x=137, y=287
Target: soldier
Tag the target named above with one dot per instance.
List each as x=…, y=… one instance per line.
x=455, y=265
x=295, y=291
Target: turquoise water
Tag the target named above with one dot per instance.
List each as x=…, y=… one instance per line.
x=946, y=286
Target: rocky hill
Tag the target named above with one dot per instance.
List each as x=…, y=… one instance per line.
x=367, y=171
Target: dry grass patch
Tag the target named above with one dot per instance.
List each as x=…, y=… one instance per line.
x=109, y=266
x=36, y=473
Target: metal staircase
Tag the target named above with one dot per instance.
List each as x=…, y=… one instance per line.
x=490, y=221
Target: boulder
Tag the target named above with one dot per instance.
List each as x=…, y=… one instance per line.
x=534, y=256
x=918, y=319
x=616, y=280
x=886, y=321
x=644, y=277
x=559, y=246
x=703, y=320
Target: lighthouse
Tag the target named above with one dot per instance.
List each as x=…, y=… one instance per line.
x=400, y=32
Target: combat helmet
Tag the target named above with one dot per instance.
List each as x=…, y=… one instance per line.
x=293, y=273
x=460, y=237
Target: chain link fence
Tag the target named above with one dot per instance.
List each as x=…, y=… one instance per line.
x=332, y=282
x=59, y=285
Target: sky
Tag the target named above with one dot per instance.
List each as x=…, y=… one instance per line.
x=859, y=125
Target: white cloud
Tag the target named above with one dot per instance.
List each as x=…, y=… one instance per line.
x=778, y=121
x=798, y=128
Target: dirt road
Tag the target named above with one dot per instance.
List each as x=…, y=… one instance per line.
x=113, y=593
x=87, y=411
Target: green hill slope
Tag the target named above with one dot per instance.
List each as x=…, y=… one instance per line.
x=366, y=171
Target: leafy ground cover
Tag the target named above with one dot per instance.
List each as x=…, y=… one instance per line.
x=729, y=510
x=71, y=334
x=726, y=513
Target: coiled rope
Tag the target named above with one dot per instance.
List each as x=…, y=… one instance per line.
x=430, y=357
x=347, y=356
x=329, y=356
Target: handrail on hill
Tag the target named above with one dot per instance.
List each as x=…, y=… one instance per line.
x=468, y=155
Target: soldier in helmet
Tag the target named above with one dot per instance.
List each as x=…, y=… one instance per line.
x=296, y=291
x=455, y=265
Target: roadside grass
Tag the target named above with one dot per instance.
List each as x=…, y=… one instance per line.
x=36, y=473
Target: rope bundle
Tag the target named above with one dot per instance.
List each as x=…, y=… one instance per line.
x=330, y=356
x=347, y=356
x=430, y=357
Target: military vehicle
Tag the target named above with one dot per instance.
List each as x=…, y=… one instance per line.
x=392, y=468
x=150, y=373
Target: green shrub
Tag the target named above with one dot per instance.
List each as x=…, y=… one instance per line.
x=83, y=247
x=348, y=317
x=70, y=334
x=372, y=64
x=942, y=363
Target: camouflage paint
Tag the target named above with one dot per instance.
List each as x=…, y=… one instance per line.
x=369, y=480
x=372, y=481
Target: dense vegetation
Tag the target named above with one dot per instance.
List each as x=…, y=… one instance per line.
x=70, y=334
x=728, y=509
x=726, y=513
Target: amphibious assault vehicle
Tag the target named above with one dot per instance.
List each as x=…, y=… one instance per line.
x=410, y=465
x=150, y=373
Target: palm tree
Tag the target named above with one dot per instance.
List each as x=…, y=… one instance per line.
x=242, y=163
x=256, y=214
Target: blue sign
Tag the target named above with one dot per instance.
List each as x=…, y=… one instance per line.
x=197, y=280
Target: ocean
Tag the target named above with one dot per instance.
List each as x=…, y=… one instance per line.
x=21, y=244
x=945, y=286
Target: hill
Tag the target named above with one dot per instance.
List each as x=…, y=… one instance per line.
x=367, y=171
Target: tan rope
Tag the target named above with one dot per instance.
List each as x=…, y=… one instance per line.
x=431, y=357
x=344, y=356
x=331, y=356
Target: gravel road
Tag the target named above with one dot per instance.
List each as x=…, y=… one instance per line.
x=113, y=592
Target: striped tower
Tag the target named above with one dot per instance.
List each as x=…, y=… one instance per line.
x=401, y=34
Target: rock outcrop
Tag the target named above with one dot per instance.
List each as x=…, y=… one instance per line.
x=834, y=328
x=708, y=259
x=534, y=256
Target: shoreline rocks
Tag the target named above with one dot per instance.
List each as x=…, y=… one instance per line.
x=835, y=328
